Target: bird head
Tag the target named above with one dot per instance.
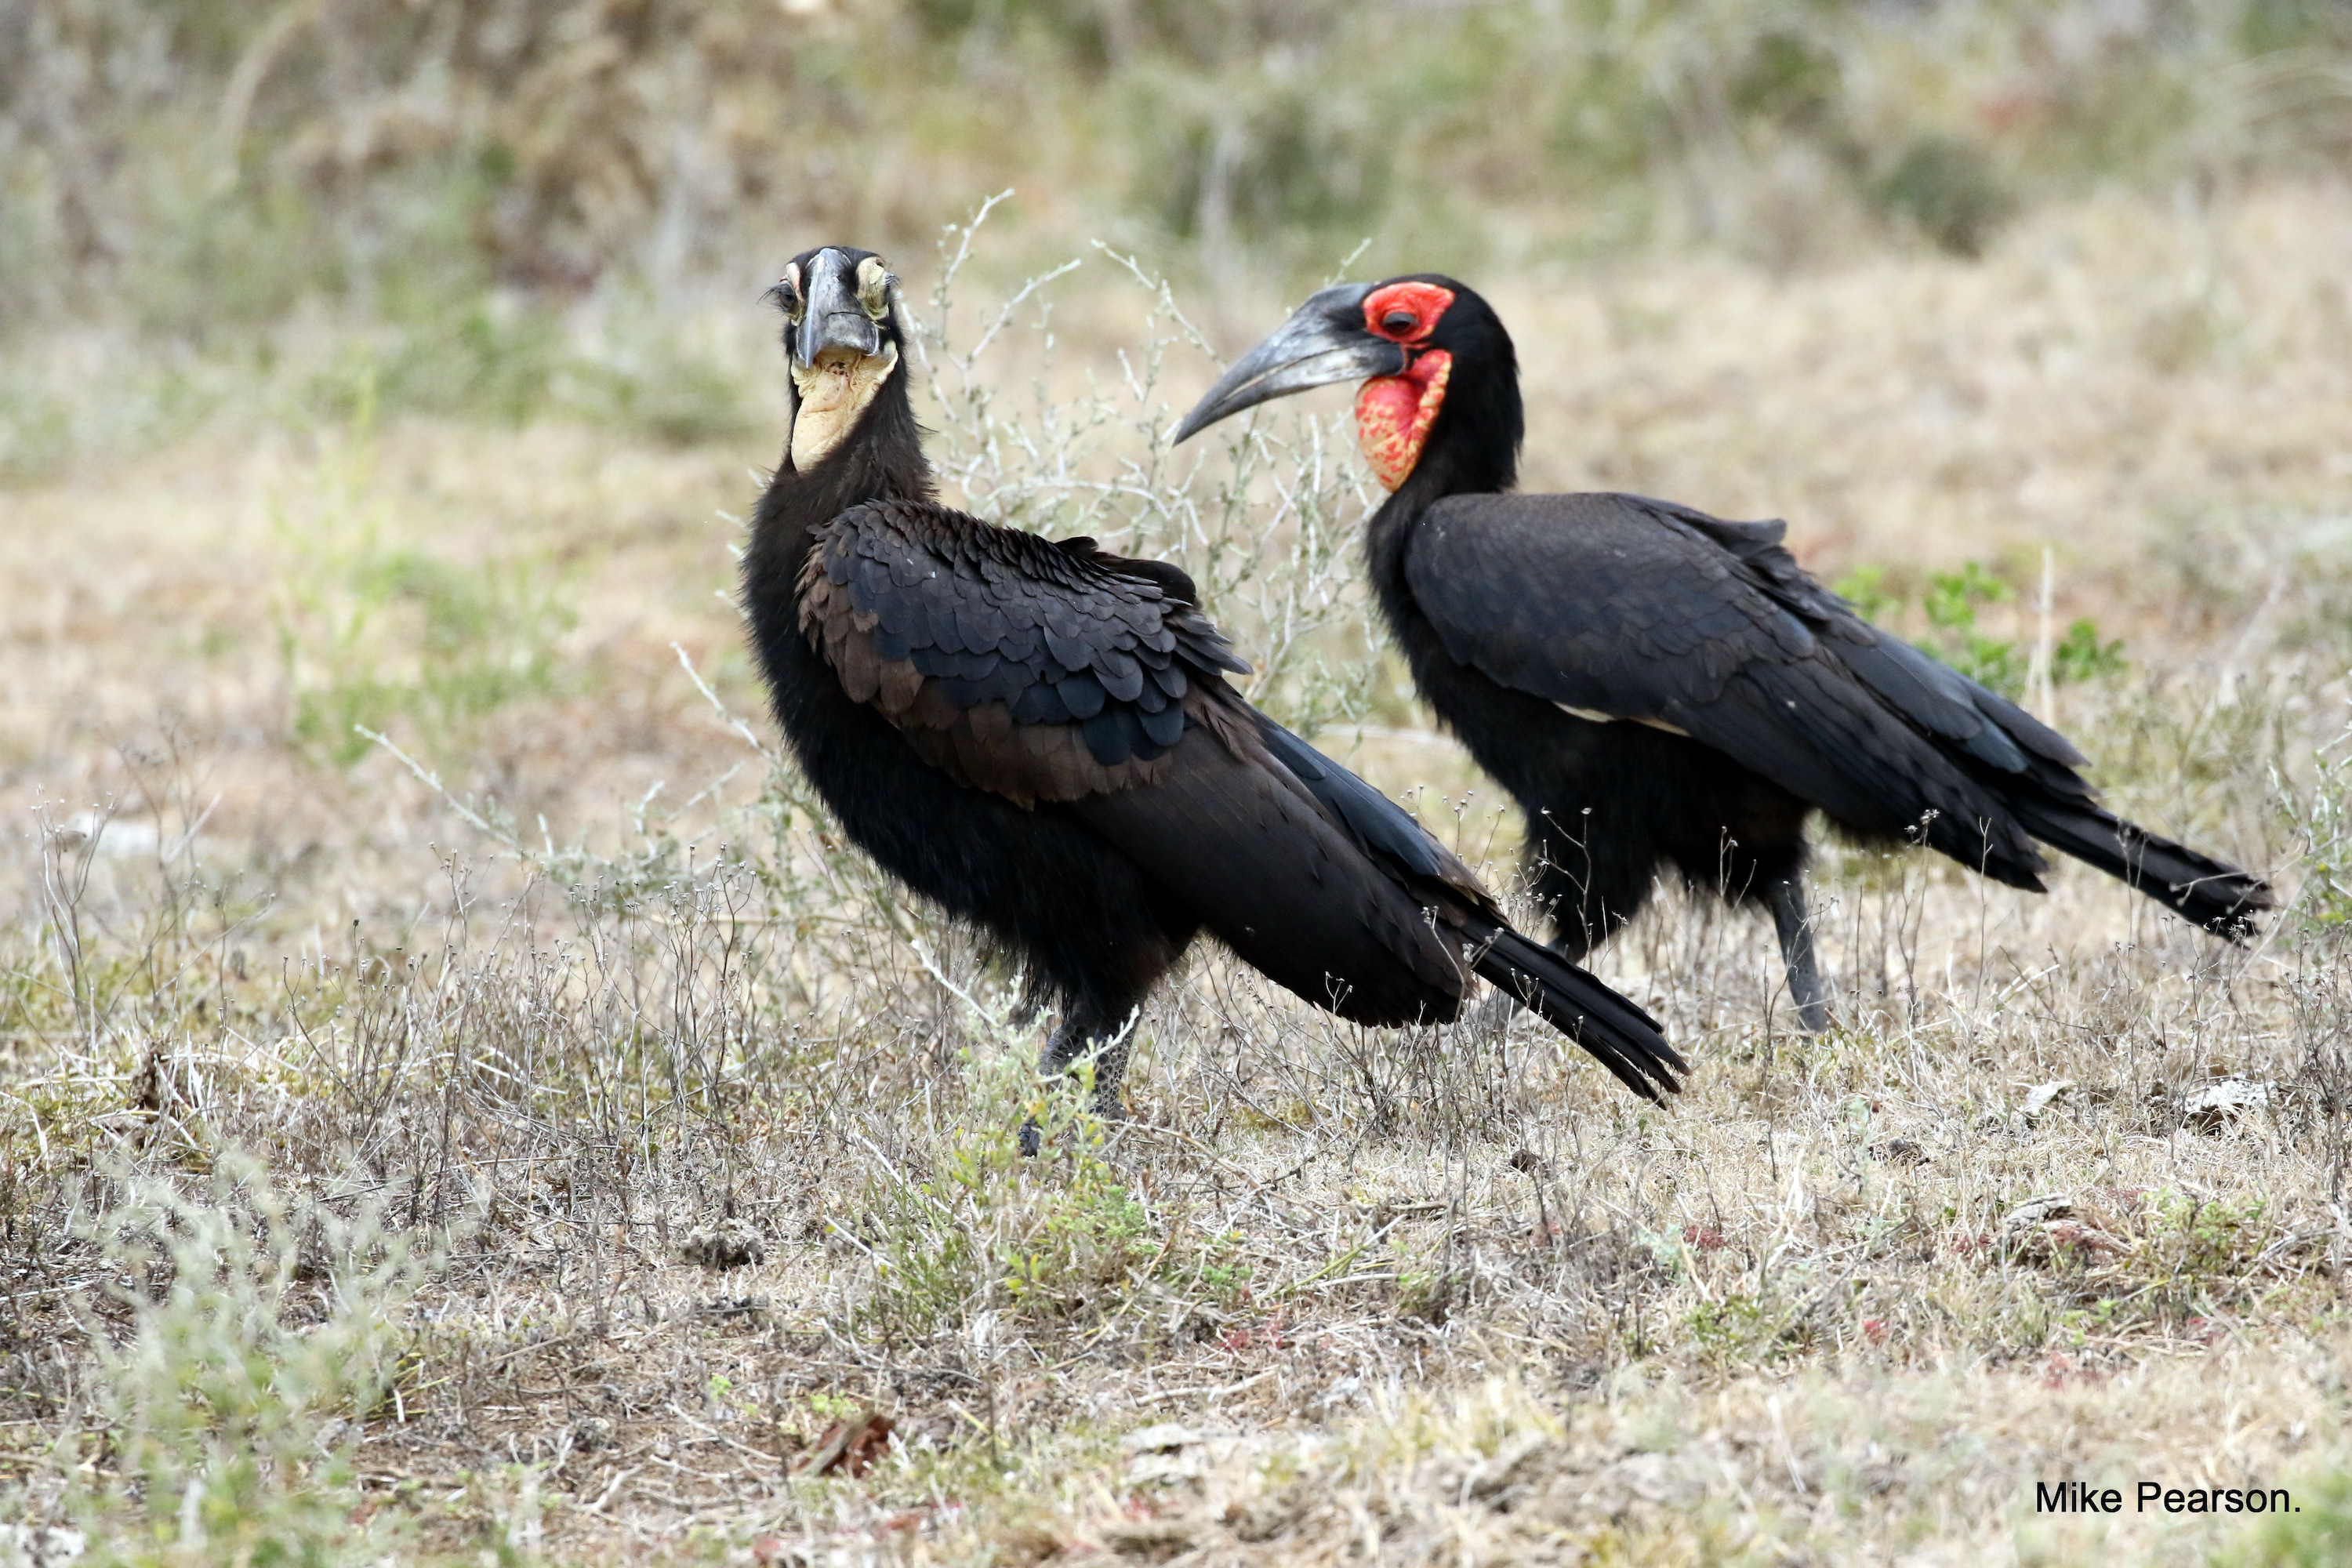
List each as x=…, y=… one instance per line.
x=842, y=324
x=1417, y=344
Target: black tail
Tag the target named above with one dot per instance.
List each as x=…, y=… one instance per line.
x=1622, y=1037
x=2208, y=892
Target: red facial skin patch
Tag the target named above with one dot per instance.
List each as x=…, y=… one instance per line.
x=1394, y=412
x=1405, y=312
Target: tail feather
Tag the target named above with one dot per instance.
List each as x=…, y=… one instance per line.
x=1627, y=1040
x=2208, y=892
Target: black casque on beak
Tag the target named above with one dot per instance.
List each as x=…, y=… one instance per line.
x=1324, y=341
x=831, y=317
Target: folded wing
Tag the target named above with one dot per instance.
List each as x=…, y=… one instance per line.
x=1621, y=607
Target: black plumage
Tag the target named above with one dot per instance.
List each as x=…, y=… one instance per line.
x=1660, y=688
x=1037, y=736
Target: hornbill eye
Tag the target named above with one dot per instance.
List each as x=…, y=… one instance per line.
x=787, y=295
x=1399, y=321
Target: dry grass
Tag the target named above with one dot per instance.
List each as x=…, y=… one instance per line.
x=1434, y=1296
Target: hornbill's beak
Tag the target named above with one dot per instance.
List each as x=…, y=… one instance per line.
x=843, y=322
x=1324, y=341
x=833, y=318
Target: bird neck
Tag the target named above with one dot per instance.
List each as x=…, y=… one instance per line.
x=1472, y=449
x=881, y=459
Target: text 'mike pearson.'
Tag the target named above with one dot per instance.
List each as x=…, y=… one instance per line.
x=1658, y=687
x=1038, y=737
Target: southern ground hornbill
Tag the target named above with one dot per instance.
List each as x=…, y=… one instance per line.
x=1657, y=687
x=1038, y=737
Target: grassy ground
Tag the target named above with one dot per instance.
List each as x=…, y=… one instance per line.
x=546, y=1162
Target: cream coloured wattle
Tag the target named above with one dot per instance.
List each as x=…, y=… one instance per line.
x=833, y=393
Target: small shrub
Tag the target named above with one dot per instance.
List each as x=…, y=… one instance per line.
x=1055, y=1238
x=1866, y=589
x=1271, y=537
x=232, y=1407
x=2080, y=655
x=1949, y=189
x=1429, y=1295
x=1950, y=604
x=1733, y=1330
x=2204, y=1241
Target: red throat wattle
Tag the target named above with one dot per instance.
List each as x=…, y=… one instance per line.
x=1393, y=413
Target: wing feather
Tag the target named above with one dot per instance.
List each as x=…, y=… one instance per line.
x=1036, y=670
x=1645, y=611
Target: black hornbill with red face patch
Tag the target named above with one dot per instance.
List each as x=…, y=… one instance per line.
x=1657, y=687
x=1038, y=737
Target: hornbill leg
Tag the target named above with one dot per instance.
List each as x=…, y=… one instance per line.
x=1085, y=1035
x=1787, y=900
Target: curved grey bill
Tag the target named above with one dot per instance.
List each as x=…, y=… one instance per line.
x=1324, y=341
x=832, y=319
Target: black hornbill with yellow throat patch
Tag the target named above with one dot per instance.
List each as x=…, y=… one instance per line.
x=1038, y=737
x=1657, y=687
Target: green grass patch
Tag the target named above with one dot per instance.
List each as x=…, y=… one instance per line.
x=377, y=635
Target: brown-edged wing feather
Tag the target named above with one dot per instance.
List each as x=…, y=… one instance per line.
x=1033, y=669
x=1050, y=672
